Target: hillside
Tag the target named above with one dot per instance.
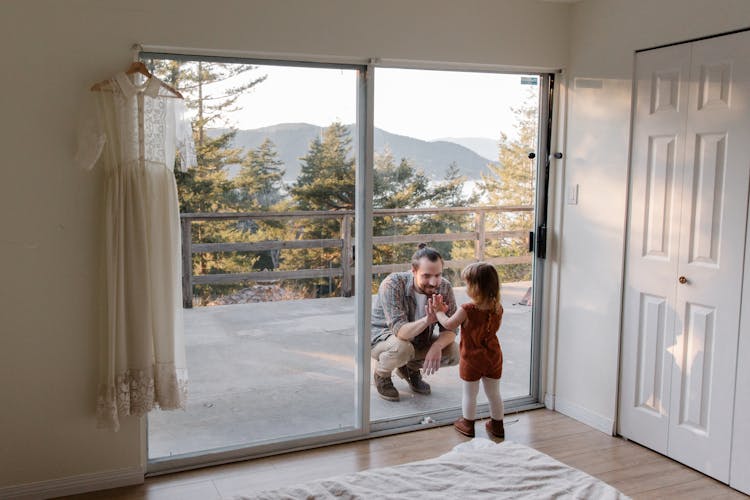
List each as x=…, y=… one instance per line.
x=487, y=148
x=292, y=141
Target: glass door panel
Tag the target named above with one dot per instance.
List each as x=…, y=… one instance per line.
x=268, y=218
x=452, y=170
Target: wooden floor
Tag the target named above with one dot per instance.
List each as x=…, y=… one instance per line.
x=634, y=470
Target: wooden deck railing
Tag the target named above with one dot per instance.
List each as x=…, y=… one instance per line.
x=479, y=235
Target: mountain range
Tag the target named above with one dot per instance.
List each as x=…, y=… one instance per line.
x=292, y=141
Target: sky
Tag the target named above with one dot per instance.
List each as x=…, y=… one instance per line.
x=425, y=104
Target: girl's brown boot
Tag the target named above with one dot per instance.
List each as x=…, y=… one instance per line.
x=495, y=428
x=464, y=426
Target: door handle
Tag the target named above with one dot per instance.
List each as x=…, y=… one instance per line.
x=682, y=280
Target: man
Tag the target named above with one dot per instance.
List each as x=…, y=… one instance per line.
x=403, y=336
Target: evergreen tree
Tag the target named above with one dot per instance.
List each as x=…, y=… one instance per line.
x=403, y=186
x=259, y=183
x=326, y=179
x=398, y=186
x=450, y=193
x=513, y=183
x=211, y=96
x=259, y=187
x=326, y=182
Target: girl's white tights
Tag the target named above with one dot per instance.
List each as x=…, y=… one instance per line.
x=491, y=389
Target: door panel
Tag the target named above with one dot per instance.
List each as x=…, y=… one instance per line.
x=659, y=198
x=656, y=183
x=686, y=245
x=714, y=207
x=410, y=207
x=273, y=346
x=650, y=370
x=738, y=476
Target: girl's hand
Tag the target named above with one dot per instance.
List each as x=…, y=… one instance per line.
x=437, y=304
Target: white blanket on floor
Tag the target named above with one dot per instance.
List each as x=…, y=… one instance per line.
x=476, y=469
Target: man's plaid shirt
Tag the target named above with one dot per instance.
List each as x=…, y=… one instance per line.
x=396, y=304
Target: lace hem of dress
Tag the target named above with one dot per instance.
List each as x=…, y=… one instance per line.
x=136, y=392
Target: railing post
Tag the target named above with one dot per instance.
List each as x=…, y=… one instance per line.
x=187, y=263
x=479, y=243
x=346, y=256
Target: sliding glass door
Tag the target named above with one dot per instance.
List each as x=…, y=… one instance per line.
x=455, y=167
x=268, y=220
x=301, y=204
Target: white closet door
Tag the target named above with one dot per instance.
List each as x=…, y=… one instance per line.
x=712, y=245
x=739, y=475
x=653, y=240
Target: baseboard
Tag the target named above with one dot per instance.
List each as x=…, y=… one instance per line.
x=549, y=401
x=75, y=484
x=599, y=422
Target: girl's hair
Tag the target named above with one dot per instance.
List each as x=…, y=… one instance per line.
x=425, y=251
x=482, y=279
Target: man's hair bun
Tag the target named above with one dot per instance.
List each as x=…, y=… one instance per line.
x=424, y=251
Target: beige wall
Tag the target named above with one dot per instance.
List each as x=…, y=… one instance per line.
x=52, y=51
x=55, y=49
x=603, y=37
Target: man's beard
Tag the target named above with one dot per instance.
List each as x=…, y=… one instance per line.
x=428, y=290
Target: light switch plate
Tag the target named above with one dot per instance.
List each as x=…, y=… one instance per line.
x=573, y=195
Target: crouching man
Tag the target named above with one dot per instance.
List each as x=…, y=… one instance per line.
x=403, y=334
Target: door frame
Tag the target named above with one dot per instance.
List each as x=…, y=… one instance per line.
x=543, y=157
x=363, y=241
x=668, y=450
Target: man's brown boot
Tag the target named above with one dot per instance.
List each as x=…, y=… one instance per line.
x=464, y=426
x=495, y=428
x=414, y=379
x=385, y=388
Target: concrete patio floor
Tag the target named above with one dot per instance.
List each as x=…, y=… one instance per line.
x=279, y=369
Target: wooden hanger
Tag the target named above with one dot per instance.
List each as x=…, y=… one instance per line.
x=135, y=67
x=138, y=67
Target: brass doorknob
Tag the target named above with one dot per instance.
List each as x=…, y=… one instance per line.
x=682, y=280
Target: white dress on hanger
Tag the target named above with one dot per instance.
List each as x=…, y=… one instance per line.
x=141, y=128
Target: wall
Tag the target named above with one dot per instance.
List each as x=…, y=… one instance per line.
x=53, y=51
x=603, y=37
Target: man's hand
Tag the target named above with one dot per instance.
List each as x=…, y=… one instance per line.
x=430, y=312
x=432, y=359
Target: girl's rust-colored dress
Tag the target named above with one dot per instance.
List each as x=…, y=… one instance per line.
x=481, y=355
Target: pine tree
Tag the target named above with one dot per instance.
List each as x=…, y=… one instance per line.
x=450, y=193
x=512, y=182
x=326, y=179
x=259, y=183
x=404, y=186
x=210, y=95
x=396, y=186
x=326, y=182
x=259, y=187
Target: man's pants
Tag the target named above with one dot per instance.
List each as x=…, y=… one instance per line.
x=393, y=353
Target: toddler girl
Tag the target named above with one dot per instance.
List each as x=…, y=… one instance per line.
x=481, y=356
